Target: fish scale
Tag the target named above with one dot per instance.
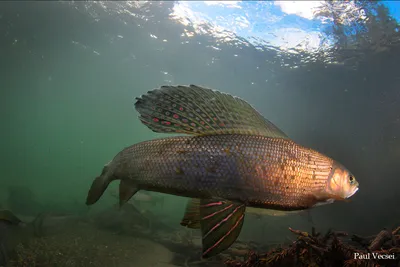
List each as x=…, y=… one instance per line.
x=230, y=159
x=252, y=169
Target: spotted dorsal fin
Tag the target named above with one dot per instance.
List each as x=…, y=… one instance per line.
x=201, y=111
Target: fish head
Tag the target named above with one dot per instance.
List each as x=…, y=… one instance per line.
x=341, y=182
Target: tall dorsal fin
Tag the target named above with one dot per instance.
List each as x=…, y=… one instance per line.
x=201, y=111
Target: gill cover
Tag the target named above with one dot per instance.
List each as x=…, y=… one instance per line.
x=341, y=183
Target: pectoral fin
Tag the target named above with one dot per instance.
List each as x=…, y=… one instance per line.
x=221, y=222
x=324, y=198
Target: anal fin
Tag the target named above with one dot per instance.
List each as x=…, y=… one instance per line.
x=221, y=223
x=126, y=190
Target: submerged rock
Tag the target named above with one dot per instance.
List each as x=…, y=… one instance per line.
x=12, y=232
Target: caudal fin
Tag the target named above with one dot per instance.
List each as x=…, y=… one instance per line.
x=97, y=189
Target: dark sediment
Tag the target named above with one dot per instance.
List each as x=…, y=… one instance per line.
x=127, y=237
x=332, y=249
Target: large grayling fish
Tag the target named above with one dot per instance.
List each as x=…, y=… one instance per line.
x=232, y=158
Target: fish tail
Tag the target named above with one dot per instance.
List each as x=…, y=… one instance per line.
x=98, y=187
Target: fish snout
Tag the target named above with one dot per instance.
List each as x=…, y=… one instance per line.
x=355, y=189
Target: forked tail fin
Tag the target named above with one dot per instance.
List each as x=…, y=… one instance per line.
x=97, y=189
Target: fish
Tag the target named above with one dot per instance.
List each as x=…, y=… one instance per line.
x=225, y=153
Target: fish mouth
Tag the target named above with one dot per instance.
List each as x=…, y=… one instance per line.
x=355, y=191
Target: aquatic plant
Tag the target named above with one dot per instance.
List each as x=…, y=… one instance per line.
x=314, y=249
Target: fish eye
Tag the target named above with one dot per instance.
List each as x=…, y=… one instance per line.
x=351, y=179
